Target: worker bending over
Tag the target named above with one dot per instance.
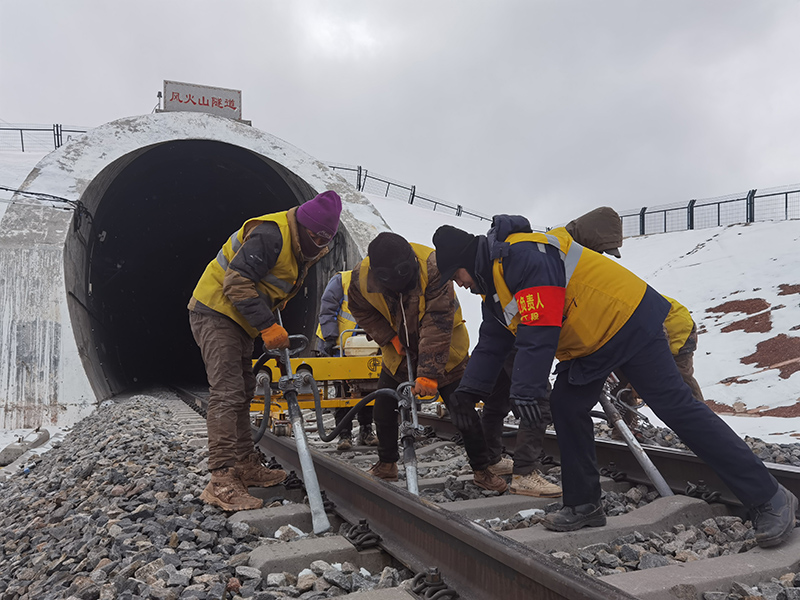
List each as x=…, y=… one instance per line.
x=548, y=296
x=259, y=269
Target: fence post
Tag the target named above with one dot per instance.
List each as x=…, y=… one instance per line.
x=364, y=180
x=57, y=135
x=751, y=206
x=358, y=178
x=690, y=215
x=22, y=140
x=641, y=220
x=413, y=193
x=459, y=210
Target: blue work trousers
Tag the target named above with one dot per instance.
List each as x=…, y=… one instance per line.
x=653, y=374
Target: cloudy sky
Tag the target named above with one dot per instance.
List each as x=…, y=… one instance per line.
x=544, y=107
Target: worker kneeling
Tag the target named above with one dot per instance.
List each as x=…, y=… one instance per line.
x=548, y=296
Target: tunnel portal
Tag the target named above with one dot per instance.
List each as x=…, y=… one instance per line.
x=157, y=226
x=94, y=301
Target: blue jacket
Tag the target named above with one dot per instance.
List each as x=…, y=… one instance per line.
x=528, y=265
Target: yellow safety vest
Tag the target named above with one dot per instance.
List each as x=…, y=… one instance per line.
x=279, y=285
x=343, y=317
x=679, y=324
x=459, y=342
x=600, y=294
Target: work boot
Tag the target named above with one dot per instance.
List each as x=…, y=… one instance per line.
x=254, y=474
x=502, y=467
x=226, y=491
x=366, y=437
x=489, y=481
x=571, y=518
x=534, y=484
x=345, y=441
x=775, y=520
x=384, y=470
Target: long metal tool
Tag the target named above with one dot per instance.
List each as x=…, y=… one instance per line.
x=607, y=402
x=288, y=383
x=408, y=410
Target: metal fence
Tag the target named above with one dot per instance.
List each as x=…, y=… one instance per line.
x=40, y=138
x=372, y=183
x=36, y=138
x=773, y=204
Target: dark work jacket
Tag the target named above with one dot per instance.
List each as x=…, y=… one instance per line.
x=525, y=265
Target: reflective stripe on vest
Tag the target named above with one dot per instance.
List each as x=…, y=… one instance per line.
x=570, y=260
x=608, y=294
x=277, y=285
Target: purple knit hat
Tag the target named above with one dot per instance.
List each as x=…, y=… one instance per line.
x=320, y=215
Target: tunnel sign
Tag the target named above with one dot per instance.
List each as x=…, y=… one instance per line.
x=202, y=98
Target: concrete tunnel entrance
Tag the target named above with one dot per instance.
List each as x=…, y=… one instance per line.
x=158, y=224
x=94, y=293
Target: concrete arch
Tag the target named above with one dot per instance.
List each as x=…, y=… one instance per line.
x=92, y=306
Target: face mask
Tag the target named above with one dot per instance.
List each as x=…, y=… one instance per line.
x=398, y=279
x=308, y=246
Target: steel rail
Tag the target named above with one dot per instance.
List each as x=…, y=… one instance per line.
x=479, y=564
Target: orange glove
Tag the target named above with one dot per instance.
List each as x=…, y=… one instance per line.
x=398, y=346
x=274, y=337
x=426, y=387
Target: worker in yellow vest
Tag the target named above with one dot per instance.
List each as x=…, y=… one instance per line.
x=601, y=230
x=259, y=269
x=396, y=297
x=335, y=327
x=548, y=297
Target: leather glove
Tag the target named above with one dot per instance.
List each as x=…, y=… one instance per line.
x=398, y=346
x=462, y=409
x=528, y=410
x=426, y=387
x=327, y=347
x=275, y=337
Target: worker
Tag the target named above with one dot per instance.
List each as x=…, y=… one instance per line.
x=395, y=296
x=549, y=297
x=335, y=327
x=258, y=270
x=601, y=230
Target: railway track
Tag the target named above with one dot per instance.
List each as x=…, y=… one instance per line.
x=532, y=562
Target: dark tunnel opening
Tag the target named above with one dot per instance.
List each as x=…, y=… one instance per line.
x=160, y=222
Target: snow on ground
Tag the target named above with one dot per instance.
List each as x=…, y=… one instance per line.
x=702, y=269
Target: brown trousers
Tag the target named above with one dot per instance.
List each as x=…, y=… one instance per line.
x=227, y=353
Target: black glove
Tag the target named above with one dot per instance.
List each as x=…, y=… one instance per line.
x=527, y=410
x=462, y=409
x=327, y=346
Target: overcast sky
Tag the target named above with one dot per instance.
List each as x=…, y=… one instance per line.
x=544, y=107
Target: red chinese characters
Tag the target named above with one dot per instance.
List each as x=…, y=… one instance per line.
x=542, y=305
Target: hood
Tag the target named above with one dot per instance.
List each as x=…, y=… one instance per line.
x=599, y=230
x=502, y=227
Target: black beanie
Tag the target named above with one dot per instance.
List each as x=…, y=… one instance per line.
x=392, y=260
x=455, y=249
